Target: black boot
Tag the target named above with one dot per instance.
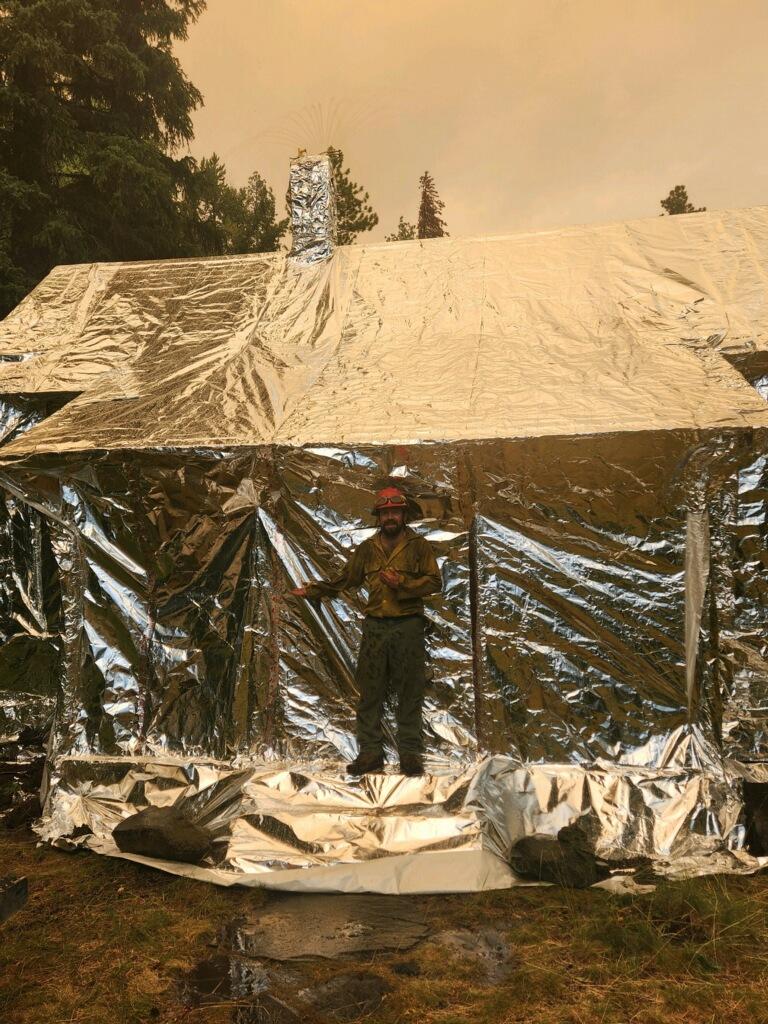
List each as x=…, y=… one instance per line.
x=365, y=763
x=411, y=764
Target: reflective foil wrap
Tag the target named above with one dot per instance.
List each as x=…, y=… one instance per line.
x=280, y=827
x=30, y=628
x=577, y=415
x=313, y=208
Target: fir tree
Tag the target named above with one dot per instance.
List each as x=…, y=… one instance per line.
x=93, y=104
x=677, y=202
x=223, y=220
x=256, y=229
x=405, y=232
x=205, y=195
x=431, y=223
x=354, y=213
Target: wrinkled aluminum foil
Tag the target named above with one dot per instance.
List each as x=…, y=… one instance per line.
x=30, y=636
x=591, y=472
x=289, y=828
x=543, y=335
x=313, y=208
x=564, y=643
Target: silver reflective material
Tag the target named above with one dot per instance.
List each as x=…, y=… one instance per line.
x=313, y=208
x=308, y=829
x=541, y=335
x=30, y=640
x=570, y=411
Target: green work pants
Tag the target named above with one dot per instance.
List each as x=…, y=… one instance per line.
x=391, y=660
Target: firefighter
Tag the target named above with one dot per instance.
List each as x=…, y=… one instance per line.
x=398, y=568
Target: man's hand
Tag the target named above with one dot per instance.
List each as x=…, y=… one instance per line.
x=391, y=577
x=299, y=591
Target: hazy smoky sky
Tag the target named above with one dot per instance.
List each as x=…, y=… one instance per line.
x=529, y=114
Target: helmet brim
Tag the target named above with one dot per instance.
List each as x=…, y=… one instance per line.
x=411, y=509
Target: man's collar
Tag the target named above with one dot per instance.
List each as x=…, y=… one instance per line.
x=408, y=534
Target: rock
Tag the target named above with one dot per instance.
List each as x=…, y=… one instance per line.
x=567, y=860
x=162, y=832
x=13, y=896
x=756, y=812
x=487, y=948
x=348, y=996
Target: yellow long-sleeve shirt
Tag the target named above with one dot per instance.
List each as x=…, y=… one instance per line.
x=413, y=558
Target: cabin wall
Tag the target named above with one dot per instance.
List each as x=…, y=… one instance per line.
x=560, y=634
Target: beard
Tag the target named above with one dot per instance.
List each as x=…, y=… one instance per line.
x=392, y=527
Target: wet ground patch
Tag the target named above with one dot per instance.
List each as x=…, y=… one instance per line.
x=330, y=925
x=274, y=949
x=287, y=948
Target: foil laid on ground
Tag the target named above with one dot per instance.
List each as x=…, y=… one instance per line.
x=590, y=471
x=309, y=829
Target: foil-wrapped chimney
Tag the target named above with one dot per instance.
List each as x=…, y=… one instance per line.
x=313, y=208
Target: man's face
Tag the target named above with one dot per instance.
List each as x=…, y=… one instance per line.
x=391, y=521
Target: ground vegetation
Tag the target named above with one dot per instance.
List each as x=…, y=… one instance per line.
x=105, y=941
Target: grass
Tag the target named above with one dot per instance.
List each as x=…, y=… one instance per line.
x=104, y=941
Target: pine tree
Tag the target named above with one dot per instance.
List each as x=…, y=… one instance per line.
x=223, y=220
x=254, y=228
x=354, y=213
x=405, y=232
x=431, y=223
x=93, y=105
x=677, y=202
x=205, y=196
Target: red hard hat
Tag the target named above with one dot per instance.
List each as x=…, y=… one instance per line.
x=390, y=497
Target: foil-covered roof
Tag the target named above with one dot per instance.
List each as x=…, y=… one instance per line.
x=581, y=330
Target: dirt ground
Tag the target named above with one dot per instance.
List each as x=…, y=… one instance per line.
x=104, y=940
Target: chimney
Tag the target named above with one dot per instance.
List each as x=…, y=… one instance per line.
x=313, y=208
